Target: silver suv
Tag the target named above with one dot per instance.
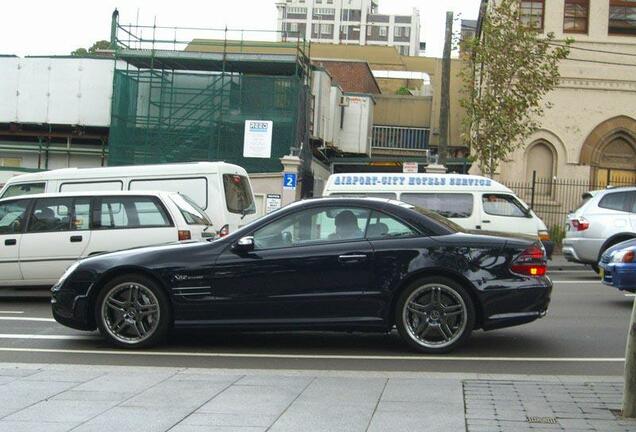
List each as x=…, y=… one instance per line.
x=605, y=217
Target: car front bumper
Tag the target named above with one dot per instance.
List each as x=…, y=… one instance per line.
x=619, y=275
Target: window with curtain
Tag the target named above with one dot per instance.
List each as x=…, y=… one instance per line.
x=622, y=17
x=531, y=13
x=575, y=16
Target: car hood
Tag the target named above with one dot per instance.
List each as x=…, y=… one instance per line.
x=620, y=246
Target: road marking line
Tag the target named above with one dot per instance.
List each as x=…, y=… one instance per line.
x=321, y=357
x=47, y=337
x=26, y=319
x=629, y=295
x=576, y=281
x=11, y=312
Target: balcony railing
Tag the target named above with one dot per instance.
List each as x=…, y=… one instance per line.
x=400, y=138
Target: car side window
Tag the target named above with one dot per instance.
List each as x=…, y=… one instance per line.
x=130, y=212
x=317, y=225
x=502, y=205
x=614, y=201
x=633, y=201
x=51, y=215
x=382, y=226
x=12, y=216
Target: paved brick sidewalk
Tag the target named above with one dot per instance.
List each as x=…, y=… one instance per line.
x=519, y=406
x=60, y=398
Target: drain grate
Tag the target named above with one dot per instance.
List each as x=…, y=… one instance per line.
x=542, y=420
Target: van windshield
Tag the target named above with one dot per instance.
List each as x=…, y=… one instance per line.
x=238, y=194
x=23, y=189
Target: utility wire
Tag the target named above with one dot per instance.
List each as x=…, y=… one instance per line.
x=594, y=50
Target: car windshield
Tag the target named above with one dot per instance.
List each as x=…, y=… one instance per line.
x=192, y=213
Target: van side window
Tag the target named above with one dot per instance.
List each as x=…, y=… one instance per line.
x=95, y=186
x=502, y=205
x=130, y=212
x=450, y=205
x=23, y=189
x=12, y=216
x=51, y=215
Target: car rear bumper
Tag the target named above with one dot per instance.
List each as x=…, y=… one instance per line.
x=582, y=250
x=620, y=275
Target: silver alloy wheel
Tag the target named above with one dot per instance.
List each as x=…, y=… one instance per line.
x=435, y=315
x=130, y=312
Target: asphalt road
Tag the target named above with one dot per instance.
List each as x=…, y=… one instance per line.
x=584, y=333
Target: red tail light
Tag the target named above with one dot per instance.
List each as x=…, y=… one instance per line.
x=531, y=262
x=184, y=235
x=579, y=224
x=225, y=230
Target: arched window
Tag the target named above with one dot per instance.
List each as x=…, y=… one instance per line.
x=541, y=159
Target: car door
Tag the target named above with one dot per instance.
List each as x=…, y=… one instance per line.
x=56, y=236
x=504, y=213
x=124, y=222
x=12, y=220
x=310, y=266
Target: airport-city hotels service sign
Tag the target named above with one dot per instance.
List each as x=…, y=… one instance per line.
x=258, y=139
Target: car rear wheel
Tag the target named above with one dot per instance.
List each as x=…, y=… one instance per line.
x=435, y=315
x=133, y=312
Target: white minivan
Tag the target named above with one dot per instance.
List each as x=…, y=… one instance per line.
x=473, y=202
x=42, y=235
x=223, y=190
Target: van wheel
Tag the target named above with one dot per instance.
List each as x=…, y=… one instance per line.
x=435, y=315
x=133, y=312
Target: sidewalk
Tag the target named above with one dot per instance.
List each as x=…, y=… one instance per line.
x=56, y=398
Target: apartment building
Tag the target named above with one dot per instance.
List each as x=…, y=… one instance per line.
x=348, y=22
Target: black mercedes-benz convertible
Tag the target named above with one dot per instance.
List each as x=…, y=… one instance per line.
x=353, y=264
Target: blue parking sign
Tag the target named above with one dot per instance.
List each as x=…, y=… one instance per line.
x=289, y=181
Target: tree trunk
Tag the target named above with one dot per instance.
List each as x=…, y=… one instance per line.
x=629, y=398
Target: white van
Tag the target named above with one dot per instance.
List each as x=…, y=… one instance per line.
x=223, y=190
x=41, y=235
x=472, y=202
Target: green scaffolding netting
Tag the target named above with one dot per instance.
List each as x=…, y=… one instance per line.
x=168, y=116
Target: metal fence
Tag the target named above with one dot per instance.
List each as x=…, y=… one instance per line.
x=553, y=198
x=404, y=138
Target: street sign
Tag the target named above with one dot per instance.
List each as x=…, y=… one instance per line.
x=410, y=167
x=273, y=202
x=257, y=142
x=289, y=181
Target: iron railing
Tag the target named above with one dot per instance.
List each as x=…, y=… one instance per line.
x=404, y=138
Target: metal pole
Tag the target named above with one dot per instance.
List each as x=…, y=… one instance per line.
x=442, y=149
x=629, y=397
x=534, y=182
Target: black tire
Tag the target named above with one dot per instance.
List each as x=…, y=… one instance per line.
x=136, y=316
x=452, y=296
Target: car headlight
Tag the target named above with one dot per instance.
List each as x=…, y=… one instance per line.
x=624, y=256
x=68, y=272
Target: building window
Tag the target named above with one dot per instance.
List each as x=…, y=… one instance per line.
x=575, y=16
x=622, y=17
x=531, y=13
x=404, y=50
x=402, y=32
x=382, y=31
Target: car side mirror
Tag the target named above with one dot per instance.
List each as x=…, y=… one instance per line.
x=244, y=244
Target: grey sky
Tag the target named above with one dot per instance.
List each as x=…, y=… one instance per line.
x=46, y=27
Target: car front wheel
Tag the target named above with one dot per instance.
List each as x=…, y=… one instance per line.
x=133, y=312
x=435, y=315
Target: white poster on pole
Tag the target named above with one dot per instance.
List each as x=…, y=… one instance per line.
x=258, y=139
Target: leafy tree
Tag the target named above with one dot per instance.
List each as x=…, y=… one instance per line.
x=506, y=76
x=99, y=45
x=403, y=91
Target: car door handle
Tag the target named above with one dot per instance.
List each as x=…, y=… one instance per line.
x=352, y=258
x=10, y=242
x=76, y=239
x=485, y=221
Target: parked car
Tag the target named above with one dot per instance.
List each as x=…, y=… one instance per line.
x=223, y=190
x=472, y=202
x=618, y=266
x=42, y=235
x=354, y=264
x=604, y=219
